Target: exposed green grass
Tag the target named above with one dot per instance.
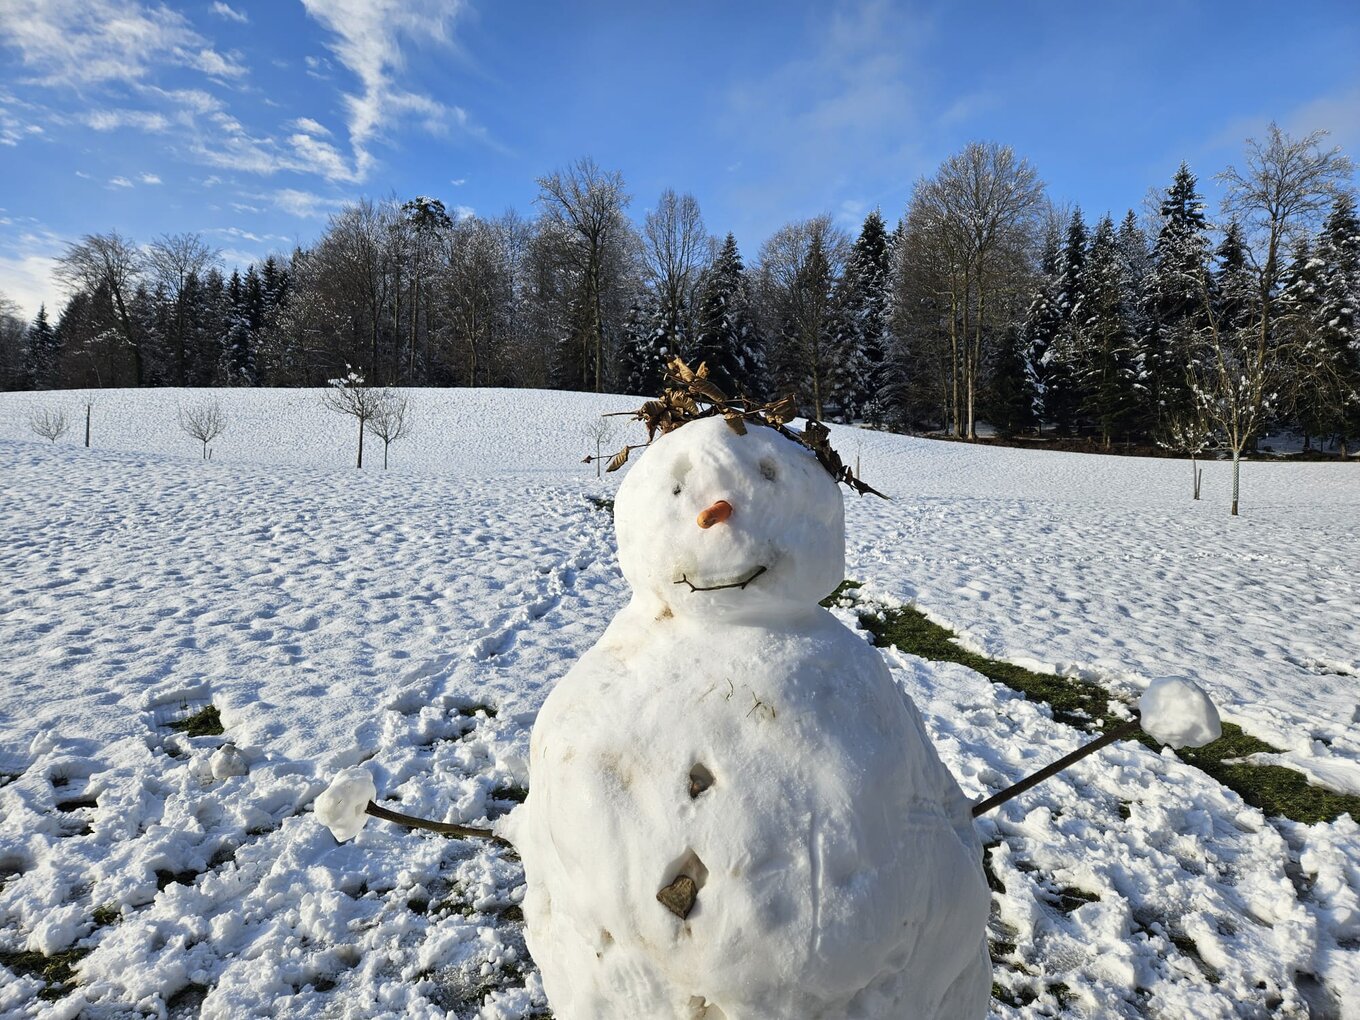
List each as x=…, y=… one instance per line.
x=107, y=914
x=56, y=971
x=603, y=503
x=206, y=722
x=1273, y=789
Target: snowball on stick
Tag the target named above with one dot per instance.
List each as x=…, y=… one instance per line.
x=1176, y=712
x=342, y=806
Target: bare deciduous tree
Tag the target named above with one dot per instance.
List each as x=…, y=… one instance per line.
x=204, y=422
x=1188, y=430
x=1242, y=372
x=111, y=261
x=798, y=265
x=601, y=431
x=984, y=204
x=172, y=260
x=585, y=205
x=49, y=424
x=391, y=419
x=351, y=395
x=675, y=250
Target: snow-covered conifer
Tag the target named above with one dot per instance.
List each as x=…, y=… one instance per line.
x=727, y=340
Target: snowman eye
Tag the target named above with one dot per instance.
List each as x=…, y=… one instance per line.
x=767, y=469
x=676, y=490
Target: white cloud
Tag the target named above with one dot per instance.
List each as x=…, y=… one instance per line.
x=84, y=176
x=230, y=13
x=458, y=182
x=148, y=179
x=80, y=42
x=119, y=182
x=309, y=126
x=304, y=204
x=143, y=120
x=26, y=269
x=368, y=38
x=212, y=63
x=322, y=158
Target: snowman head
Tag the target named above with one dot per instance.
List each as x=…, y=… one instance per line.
x=712, y=522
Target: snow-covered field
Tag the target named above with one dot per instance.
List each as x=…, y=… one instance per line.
x=415, y=620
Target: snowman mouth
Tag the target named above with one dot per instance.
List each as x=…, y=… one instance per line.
x=684, y=579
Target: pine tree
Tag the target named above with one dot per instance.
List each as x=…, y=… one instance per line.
x=1337, y=328
x=1175, y=297
x=726, y=339
x=856, y=381
x=1298, y=318
x=44, y=353
x=1105, y=365
x=1063, y=396
x=236, y=342
x=1042, y=323
x=643, y=354
x=1010, y=399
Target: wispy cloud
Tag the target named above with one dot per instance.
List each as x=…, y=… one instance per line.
x=824, y=110
x=230, y=13
x=308, y=126
x=368, y=38
x=27, y=258
x=119, y=182
x=150, y=121
x=304, y=204
x=148, y=179
x=81, y=42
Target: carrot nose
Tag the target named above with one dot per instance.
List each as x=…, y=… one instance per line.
x=715, y=514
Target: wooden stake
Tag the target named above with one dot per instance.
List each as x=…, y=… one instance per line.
x=1127, y=729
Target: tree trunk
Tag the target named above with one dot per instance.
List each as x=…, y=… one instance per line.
x=87, y=425
x=1237, y=470
x=360, y=465
x=385, y=444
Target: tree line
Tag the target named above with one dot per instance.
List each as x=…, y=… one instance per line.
x=985, y=302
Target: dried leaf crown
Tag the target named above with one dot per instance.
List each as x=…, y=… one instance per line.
x=691, y=395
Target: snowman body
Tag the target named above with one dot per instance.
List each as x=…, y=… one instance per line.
x=730, y=739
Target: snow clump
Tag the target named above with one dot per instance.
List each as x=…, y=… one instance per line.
x=1178, y=713
x=342, y=806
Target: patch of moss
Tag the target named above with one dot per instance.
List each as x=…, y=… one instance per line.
x=57, y=972
x=107, y=914
x=206, y=722
x=602, y=503
x=1274, y=789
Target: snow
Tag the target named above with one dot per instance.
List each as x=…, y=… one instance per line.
x=1178, y=713
x=338, y=618
x=744, y=740
x=342, y=807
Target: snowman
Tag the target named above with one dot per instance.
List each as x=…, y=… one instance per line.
x=734, y=812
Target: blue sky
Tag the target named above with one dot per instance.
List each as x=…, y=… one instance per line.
x=250, y=121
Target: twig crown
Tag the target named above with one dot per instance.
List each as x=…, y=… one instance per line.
x=691, y=395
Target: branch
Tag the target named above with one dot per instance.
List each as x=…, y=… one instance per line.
x=684, y=579
x=443, y=828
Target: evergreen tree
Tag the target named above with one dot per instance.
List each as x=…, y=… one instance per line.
x=1298, y=319
x=1043, y=321
x=857, y=378
x=1106, y=362
x=44, y=353
x=726, y=339
x=643, y=354
x=1062, y=395
x=1338, y=318
x=1175, y=298
x=1010, y=398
